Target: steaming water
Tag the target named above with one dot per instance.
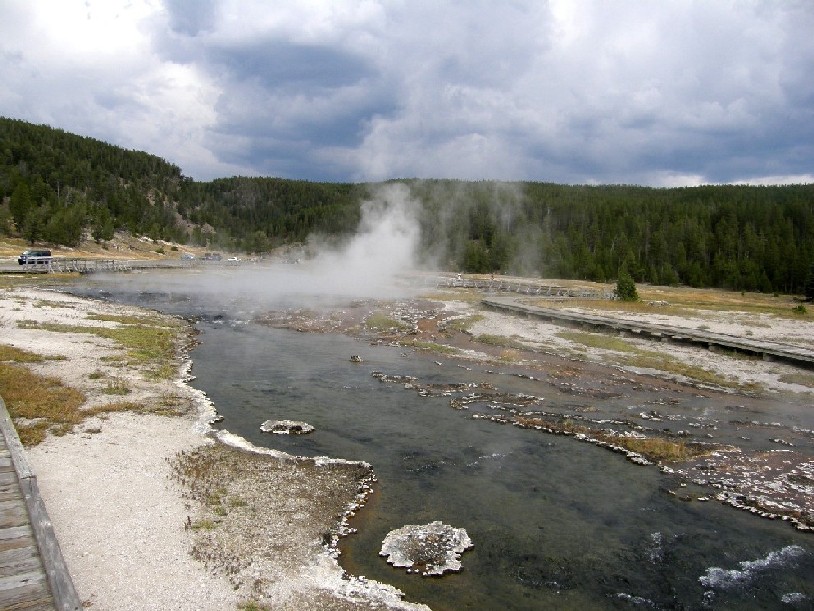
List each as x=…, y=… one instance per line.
x=556, y=523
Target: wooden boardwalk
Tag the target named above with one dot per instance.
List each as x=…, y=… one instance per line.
x=33, y=575
x=796, y=355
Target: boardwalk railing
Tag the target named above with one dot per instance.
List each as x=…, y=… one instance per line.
x=59, y=580
x=767, y=350
x=90, y=266
x=500, y=285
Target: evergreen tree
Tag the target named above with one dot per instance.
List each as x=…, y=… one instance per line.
x=626, y=288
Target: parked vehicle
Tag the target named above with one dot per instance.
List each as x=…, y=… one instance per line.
x=31, y=257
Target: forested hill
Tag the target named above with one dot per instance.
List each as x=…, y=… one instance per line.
x=56, y=187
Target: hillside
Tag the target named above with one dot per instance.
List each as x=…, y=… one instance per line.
x=59, y=188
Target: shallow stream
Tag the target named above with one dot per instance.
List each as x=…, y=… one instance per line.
x=555, y=523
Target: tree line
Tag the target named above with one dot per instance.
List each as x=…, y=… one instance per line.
x=57, y=187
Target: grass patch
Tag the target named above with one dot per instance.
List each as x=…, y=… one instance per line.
x=656, y=449
x=687, y=302
x=598, y=340
x=500, y=341
x=47, y=303
x=149, y=342
x=633, y=356
x=17, y=355
x=12, y=281
x=463, y=325
x=126, y=320
x=803, y=379
x=39, y=404
x=378, y=321
x=203, y=524
x=654, y=360
x=116, y=386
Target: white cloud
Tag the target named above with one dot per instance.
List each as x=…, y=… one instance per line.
x=656, y=92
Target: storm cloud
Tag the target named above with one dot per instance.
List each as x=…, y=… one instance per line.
x=656, y=93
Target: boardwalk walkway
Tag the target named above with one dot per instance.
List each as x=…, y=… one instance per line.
x=796, y=355
x=33, y=575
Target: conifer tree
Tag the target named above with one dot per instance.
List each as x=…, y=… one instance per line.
x=626, y=287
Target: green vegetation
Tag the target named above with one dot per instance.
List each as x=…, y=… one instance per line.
x=626, y=288
x=116, y=386
x=54, y=186
x=633, y=356
x=464, y=324
x=379, y=321
x=147, y=340
x=10, y=353
x=501, y=341
x=598, y=340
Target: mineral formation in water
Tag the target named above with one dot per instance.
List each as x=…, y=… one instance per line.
x=429, y=549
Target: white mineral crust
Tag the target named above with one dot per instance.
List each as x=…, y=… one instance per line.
x=286, y=427
x=431, y=549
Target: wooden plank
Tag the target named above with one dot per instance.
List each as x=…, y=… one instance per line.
x=25, y=591
x=12, y=514
x=20, y=560
x=32, y=576
x=59, y=578
x=12, y=543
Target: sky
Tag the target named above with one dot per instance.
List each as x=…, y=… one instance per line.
x=648, y=92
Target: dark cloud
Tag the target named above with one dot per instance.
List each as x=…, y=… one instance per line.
x=192, y=17
x=663, y=92
x=283, y=65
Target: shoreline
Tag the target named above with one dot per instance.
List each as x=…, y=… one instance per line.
x=122, y=516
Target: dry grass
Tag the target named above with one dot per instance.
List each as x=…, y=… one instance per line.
x=501, y=341
x=598, y=340
x=43, y=403
x=10, y=353
x=11, y=281
x=656, y=449
x=148, y=341
x=803, y=379
x=632, y=356
x=682, y=301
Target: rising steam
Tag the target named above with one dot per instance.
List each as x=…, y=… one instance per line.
x=384, y=245
x=366, y=266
